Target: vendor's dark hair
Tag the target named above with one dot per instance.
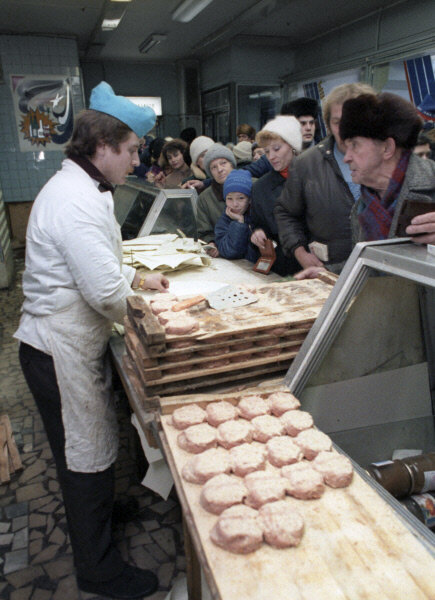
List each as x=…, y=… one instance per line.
x=380, y=117
x=91, y=128
x=173, y=146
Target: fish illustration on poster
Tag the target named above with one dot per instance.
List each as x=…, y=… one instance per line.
x=43, y=111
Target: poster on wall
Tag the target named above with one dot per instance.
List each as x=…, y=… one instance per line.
x=43, y=111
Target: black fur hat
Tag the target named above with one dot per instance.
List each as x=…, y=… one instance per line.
x=301, y=107
x=379, y=117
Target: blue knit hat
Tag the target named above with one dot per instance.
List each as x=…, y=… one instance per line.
x=238, y=181
x=140, y=120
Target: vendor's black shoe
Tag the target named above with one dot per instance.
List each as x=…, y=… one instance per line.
x=131, y=583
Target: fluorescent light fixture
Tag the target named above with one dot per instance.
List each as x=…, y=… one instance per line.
x=153, y=40
x=110, y=24
x=188, y=10
x=121, y=0
x=154, y=102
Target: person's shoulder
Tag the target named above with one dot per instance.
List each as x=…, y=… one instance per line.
x=421, y=171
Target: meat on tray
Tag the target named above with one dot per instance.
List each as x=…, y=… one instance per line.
x=219, y=412
x=208, y=464
x=237, y=530
x=184, y=417
x=295, y=421
x=160, y=306
x=163, y=297
x=304, y=482
x=281, y=402
x=263, y=487
x=336, y=469
x=283, y=451
x=233, y=433
x=253, y=406
x=197, y=438
x=221, y=492
x=312, y=441
x=247, y=458
x=266, y=427
x=181, y=324
x=282, y=524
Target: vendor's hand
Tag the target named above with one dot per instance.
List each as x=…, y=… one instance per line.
x=151, y=281
x=309, y=273
x=196, y=184
x=234, y=216
x=258, y=238
x=213, y=251
x=307, y=259
x=425, y=225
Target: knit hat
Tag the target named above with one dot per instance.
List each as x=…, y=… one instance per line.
x=238, y=181
x=198, y=146
x=379, y=117
x=288, y=128
x=243, y=151
x=139, y=119
x=218, y=151
x=301, y=107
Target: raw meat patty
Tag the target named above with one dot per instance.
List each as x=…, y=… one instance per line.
x=263, y=487
x=238, y=530
x=283, y=451
x=253, y=406
x=166, y=315
x=282, y=525
x=233, y=433
x=184, y=417
x=281, y=402
x=336, y=469
x=176, y=358
x=266, y=427
x=247, y=458
x=214, y=364
x=312, y=442
x=181, y=344
x=206, y=465
x=160, y=306
x=164, y=297
x=219, y=412
x=242, y=358
x=221, y=492
x=304, y=483
x=241, y=346
x=181, y=325
x=215, y=351
x=178, y=370
x=197, y=438
x=272, y=352
x=295, y=421
x=278, y=331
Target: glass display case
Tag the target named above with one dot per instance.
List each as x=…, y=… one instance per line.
x=366, y=370
x=142, y=209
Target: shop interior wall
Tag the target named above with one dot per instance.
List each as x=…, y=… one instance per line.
x=22, y=174
x=139, y=79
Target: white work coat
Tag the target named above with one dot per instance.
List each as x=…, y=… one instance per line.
x=75, y=286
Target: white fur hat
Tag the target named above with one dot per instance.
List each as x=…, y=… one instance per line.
x=286, y=127
x=198, y=146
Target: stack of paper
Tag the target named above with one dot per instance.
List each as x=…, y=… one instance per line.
x=164, y=253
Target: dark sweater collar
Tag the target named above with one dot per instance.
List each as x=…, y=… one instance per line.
x=84, y=163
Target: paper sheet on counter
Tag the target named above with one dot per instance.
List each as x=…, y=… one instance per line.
x=158, y=477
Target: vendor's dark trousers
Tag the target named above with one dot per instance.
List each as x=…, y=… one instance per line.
x=88, y=497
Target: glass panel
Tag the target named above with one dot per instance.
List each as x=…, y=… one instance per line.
x=137, y=215
x=176, y=216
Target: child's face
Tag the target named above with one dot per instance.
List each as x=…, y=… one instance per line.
x=237, y=202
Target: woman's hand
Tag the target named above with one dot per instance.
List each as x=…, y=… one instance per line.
x=213, y=251
x=307, y=259
x=309, y=273
x=258, y=238
x=422, y=226
x=159, y=179
x=234, y=216
x=197, y=184
x=151, y=281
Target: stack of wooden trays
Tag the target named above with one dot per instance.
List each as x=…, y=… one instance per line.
x=259, y=339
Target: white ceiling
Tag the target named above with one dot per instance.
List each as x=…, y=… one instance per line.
x=268, y=22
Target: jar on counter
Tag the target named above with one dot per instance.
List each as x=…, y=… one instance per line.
x=403, y=477
x=422, y=506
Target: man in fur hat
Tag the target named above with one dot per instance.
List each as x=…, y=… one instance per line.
x=305, y=110
x=379, y=133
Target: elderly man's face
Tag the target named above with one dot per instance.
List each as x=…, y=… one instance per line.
x=365, y=159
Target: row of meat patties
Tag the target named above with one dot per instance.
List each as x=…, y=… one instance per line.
x=248, y=458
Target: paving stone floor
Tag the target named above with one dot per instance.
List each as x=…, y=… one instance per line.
x=35, y=552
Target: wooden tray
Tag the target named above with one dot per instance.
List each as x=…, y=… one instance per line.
x=354, y=547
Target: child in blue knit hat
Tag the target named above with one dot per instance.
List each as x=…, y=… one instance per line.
x=232, y=231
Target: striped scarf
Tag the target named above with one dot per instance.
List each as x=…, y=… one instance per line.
x=376, y=214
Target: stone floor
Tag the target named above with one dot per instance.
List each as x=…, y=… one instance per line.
x=35, y=552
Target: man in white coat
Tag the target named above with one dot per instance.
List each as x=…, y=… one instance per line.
x=75, y=286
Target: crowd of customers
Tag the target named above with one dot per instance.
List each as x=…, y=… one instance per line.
x=312, y=198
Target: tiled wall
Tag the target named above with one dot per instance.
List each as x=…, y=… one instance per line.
x=22, y=174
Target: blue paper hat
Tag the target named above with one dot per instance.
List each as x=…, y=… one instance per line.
x=140, y=120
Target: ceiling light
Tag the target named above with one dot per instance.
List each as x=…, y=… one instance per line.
x=153, y=40
x=188, y=10
x=110, y=24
